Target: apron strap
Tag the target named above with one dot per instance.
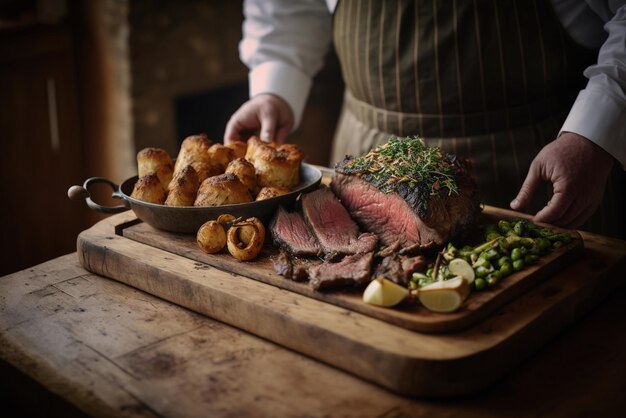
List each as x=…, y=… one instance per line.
x=461, y=125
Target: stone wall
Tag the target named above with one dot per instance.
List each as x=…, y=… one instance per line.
x=179, y=49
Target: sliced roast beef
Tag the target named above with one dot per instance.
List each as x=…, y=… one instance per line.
x=398, y=207
x=293, y=268
x=353, y=269
x=283, y=265
x=330, y=222
x=290, y=232
x=399, y=268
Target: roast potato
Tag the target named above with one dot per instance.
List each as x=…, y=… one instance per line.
x=194, y=148
x=211, y=237
x=278, y=167
x=225, y=189
x=183, y=188
x=221, y=155
x=239, y=148
x=244, y=170
x=206, y=169
x=268, y=192
x=256, y=146
x=155, y=160
x=148, y=188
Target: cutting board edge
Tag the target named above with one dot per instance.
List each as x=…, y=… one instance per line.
x=404, y=373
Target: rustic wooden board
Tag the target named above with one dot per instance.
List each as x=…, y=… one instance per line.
x=409, y=315
x=113, y=351
x=404, y=361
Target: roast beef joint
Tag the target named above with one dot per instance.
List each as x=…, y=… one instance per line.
x=398, y=199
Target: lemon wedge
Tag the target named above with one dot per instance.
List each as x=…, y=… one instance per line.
x=444, y=295
x=384, y=292
x=460, y=267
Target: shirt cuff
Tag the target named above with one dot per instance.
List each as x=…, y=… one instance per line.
x=284, y=81
x=599, y=116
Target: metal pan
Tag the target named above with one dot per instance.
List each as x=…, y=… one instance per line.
x=187, y=219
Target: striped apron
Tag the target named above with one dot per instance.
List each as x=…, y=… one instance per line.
x=488, y=80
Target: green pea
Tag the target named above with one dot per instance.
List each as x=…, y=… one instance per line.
x=482, y=262
x=494, y=278
x=513, y=241
x=518, y=265
x=490, y=254
x=527, y=242
x=504, y=260
x=480, y=284
x=519, y=228
x=530, y=259
x=491, y=236
x=506, y=270
x=543, y=244
x=534, y=250
x=504, y=226
x=545, y=232
x=482, y=271
x=516, y=254
x=557, y=244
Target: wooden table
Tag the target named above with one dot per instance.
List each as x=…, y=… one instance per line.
x=106, y=349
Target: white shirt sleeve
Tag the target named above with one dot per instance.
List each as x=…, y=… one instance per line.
x=284, y=44
x=599, y=112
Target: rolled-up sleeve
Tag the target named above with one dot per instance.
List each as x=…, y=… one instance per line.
x=284, y=44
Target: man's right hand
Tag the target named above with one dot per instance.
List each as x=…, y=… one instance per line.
x=265, y=115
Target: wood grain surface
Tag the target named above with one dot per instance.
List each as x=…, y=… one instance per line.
x=407, y=362
x=412, y=316
x=112, y=351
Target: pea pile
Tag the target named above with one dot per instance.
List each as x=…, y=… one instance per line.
x=508, y=247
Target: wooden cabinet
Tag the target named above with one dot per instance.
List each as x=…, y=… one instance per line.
x=40, y=146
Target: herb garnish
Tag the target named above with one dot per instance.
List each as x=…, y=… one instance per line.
x=408, y=164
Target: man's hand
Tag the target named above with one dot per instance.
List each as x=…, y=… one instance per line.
x=265, y=115
x=578, y=170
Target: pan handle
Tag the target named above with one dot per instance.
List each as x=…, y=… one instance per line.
x=82, y=192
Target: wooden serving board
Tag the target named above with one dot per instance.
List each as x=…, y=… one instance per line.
x=409, y=315
x=408, y=362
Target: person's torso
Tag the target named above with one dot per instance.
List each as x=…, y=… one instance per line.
x=456, y=57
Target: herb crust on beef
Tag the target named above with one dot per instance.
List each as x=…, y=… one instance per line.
x=407, y=192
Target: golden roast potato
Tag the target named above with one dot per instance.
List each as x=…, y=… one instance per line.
x=239, y=148
x=206, y=169
x=194, y=148
x=183, y=188
x=225, y=189
x=155, y=160
x=256, y=146
x=221, y=155
x=211, y=237
x=244, y=170
x=278, y=167
x=149, y=189
x=268, y=192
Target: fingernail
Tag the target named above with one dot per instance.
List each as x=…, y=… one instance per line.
x=265, y=136
x=514, y=203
